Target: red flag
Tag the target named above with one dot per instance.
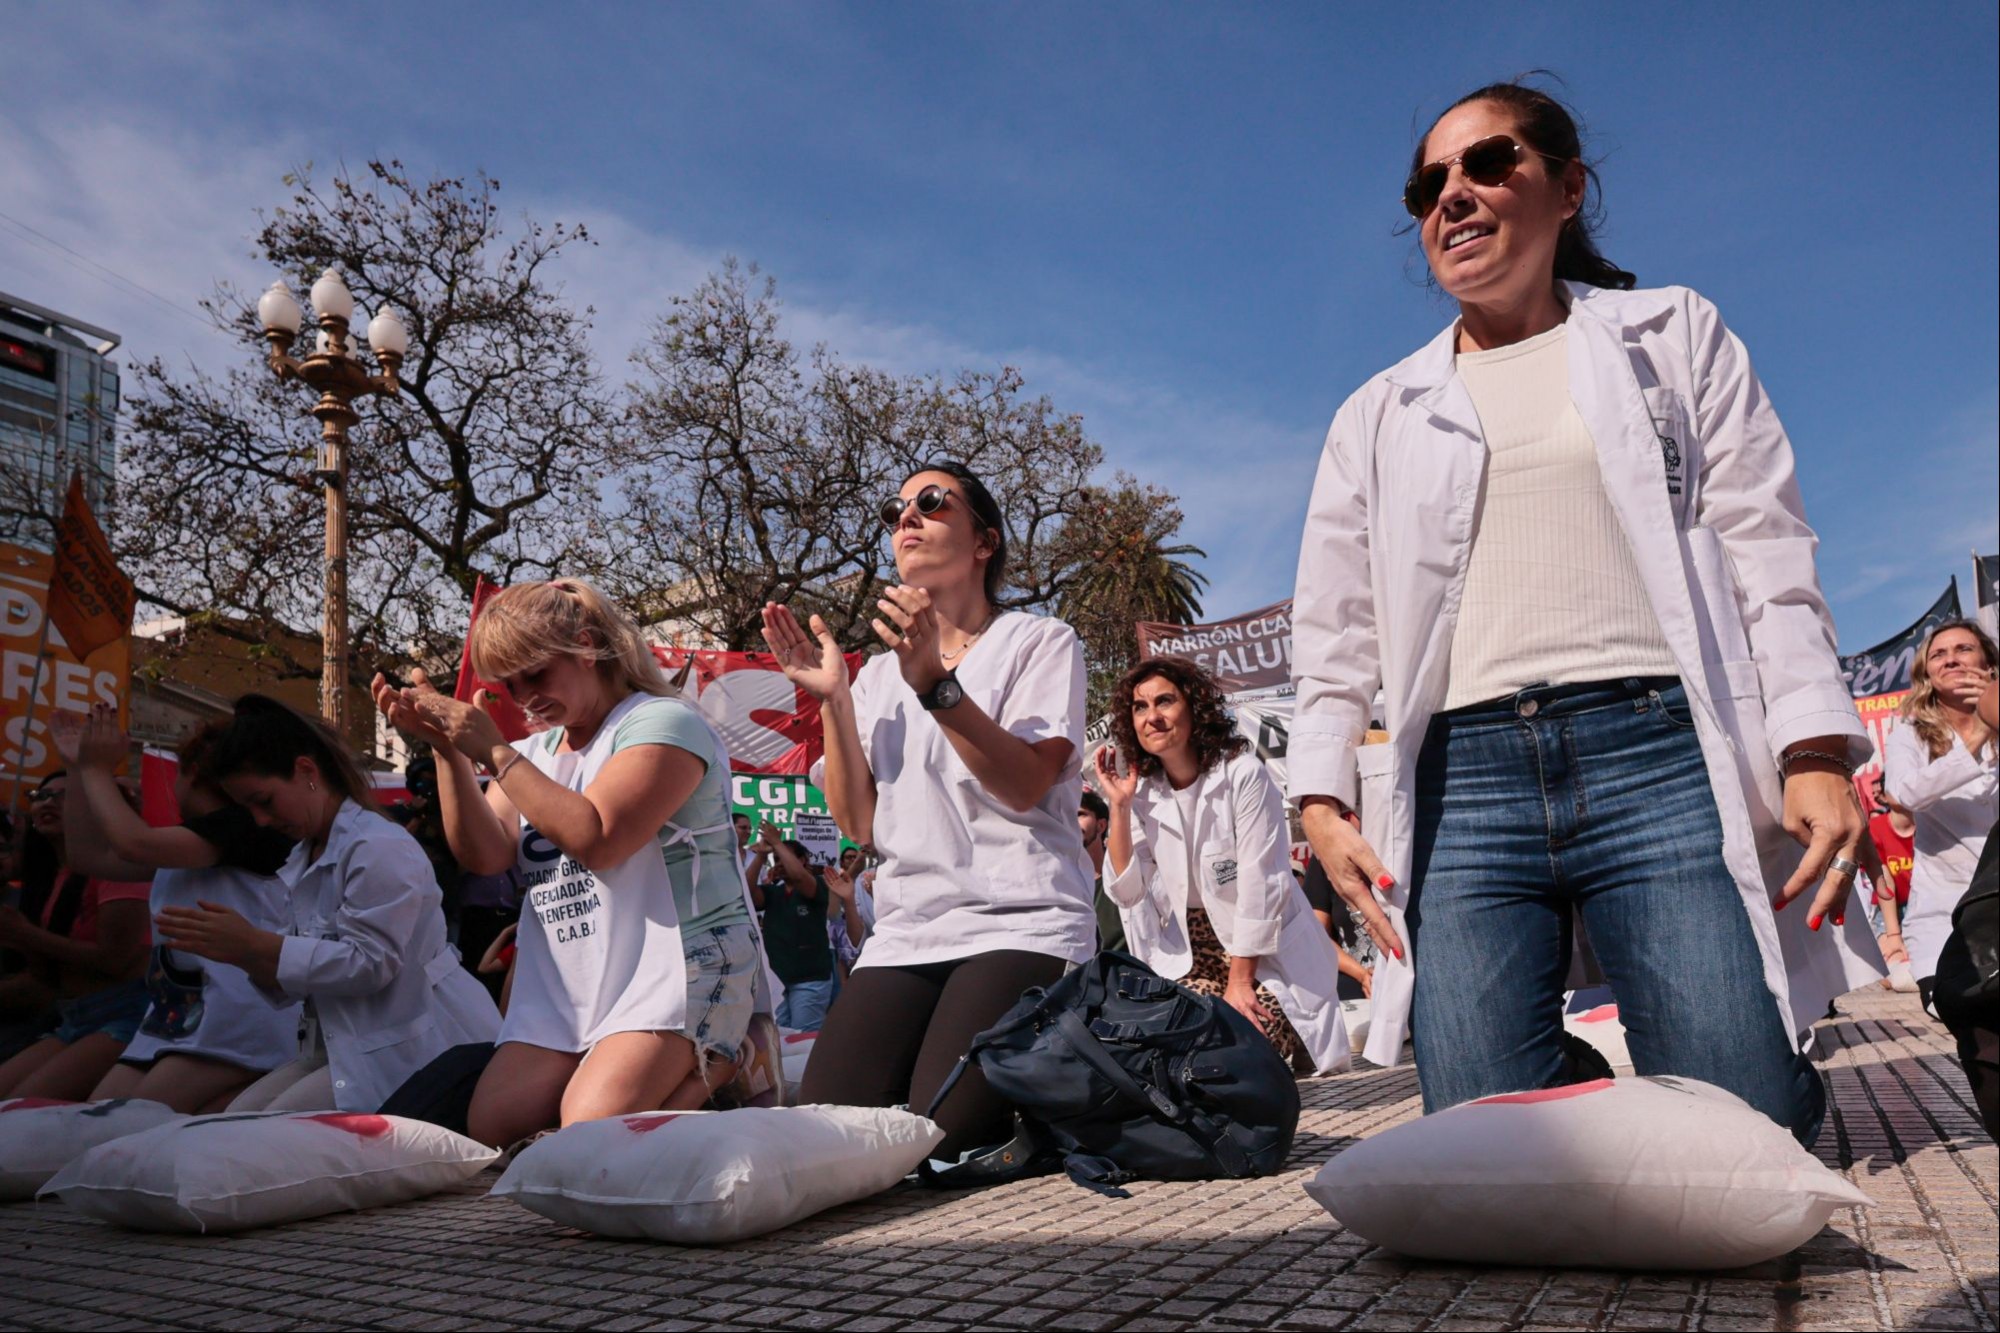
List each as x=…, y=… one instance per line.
x=769, y=724
x=506, y=714
x=90, y=600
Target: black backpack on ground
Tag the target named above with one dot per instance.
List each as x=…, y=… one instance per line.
x=1117, y=1074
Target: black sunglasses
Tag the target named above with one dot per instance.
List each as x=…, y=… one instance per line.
x=1488, y=162
x=928, y=501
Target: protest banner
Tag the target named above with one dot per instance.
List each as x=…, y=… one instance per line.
x=769, y=724
x=41, y=671
x=782, y=801
x=1249, y=653
x=89, y=600
x=820, y=835
x=1986, y=591
x=1885, y=668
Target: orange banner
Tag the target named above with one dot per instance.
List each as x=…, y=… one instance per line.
x=90, y=600
x=66, y=679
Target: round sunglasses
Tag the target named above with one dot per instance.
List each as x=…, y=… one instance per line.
x=928, y=501
x=1488, y=162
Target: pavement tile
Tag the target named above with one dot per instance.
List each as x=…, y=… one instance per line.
x=1225, y=1255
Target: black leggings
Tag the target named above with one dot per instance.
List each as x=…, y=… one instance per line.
x=895, y=1033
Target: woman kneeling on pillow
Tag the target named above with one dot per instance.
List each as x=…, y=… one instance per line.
x=1201, y=864
x=365, y=950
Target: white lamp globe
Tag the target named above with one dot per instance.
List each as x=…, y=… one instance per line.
x=331, y=297
x=386, y=333
x=278, y=310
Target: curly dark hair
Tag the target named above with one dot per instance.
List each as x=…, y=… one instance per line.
x=1215, y=737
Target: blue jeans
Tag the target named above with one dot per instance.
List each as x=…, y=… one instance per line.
x=1591, y=799
x=804, y=1007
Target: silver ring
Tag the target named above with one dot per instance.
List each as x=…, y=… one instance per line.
x=1842, y=866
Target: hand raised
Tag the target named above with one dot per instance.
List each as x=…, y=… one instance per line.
x=103, y=743
x=403, y=714
x=1117, y=788
x=909, y=626
x=811, y=662
x=66, y=733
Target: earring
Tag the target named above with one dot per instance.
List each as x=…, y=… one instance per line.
x=311, y=785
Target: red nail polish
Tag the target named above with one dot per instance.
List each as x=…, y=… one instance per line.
x=1840, y=921
x=1385, y=881
x=1814, y=923
x=1399, y=955
x=1779, y=905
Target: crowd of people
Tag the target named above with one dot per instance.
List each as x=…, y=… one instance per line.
x=1563, y=666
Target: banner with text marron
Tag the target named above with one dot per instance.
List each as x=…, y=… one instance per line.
x=67, y=681
x=1245, y=654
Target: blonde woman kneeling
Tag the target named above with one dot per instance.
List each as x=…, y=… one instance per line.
x=633, y=986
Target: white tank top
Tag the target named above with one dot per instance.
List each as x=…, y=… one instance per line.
x=600, y=950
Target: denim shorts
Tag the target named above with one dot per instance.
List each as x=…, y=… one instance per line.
x=114, y=1011
x=722, y=967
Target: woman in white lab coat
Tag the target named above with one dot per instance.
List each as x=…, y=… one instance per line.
x=1201, y=866
x=383, y=990
x=1565, y=541
x=1940, y=765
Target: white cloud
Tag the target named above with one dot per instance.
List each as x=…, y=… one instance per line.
x=169, y=213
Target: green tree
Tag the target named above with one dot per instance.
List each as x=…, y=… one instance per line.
x=1124, y=566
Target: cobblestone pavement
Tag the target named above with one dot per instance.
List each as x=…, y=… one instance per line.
x=1046, y=1254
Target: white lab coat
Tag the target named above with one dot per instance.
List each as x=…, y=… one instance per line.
x=367, y=947
x=1700, y=475
x=1953, y=799
x=1243, y=855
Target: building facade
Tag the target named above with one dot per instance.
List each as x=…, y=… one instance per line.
x=59, y=393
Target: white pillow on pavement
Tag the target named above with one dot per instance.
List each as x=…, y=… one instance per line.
x=1601, y=1027
x=39, y=1136
x=1636, y=1173
x=706, y=1177
x=231, y=1171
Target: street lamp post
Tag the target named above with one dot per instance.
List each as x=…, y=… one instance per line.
x=336, y=374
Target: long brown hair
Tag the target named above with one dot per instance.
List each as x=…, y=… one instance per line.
x=268, y=738
x=1922, y=710
x=1213, y=734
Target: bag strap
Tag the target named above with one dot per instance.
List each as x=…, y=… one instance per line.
x=1220, y=1149
x=1080, y=1040
x=980, y=1043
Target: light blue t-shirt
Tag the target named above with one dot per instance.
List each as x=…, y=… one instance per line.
x=720, y=902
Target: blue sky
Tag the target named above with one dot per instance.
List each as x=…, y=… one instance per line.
x=1178, y=220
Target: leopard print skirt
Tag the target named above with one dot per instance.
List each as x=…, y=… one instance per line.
x=1209, y=975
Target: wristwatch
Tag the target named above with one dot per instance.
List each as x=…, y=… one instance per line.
x=945, y=694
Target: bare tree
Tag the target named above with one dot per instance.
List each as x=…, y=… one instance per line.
x=761, y=471
x=490, y=462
